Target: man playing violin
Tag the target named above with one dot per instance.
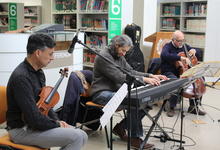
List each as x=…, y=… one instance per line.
x=169, y=57
x=25, y=123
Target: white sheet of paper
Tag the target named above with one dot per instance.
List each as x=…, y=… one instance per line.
x=113, y=104
x=206, y=69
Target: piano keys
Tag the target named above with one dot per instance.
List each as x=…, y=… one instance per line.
x=149, y=94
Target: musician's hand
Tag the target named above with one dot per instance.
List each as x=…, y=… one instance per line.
x=159, y=77
x=63, y=124
x=151, y=81
x=185, y=60
x=192, y=52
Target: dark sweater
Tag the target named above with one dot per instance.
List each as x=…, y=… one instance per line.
x=23, y=89
x=107, y=77
x=169, y=56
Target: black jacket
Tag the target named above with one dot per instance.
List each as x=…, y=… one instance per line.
x=23, y=89
x=107, y=77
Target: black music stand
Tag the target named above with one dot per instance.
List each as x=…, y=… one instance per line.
x=209, y=69
x=193, y=73
x=181, y=122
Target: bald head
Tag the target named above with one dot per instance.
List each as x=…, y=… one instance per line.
x=178, y=35
x=178, y=38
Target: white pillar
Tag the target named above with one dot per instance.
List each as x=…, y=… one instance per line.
x=212, y=46
x=145, y=15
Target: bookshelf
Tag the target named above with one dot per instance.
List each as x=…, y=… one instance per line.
x=32, y=16
x=65, y=12
x=11, y=16
x=93, y=19
x=90, y=16
x=100, y=20
x=189, y=16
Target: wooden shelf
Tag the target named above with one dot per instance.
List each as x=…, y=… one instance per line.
x=188, y=16
x=64, y=12
x=32, y=15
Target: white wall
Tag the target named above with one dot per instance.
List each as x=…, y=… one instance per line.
x=212, y=46
x=150, y=20
x=138, y=16
x=212, y=49
x=127, y=12
x=145, y=15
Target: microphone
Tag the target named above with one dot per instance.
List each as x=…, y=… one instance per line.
x=74, y=41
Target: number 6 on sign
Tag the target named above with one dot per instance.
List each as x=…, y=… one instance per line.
x=13, y=10
x=116, y=7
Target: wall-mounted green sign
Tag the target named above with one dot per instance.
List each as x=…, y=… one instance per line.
x=12, y=16
x=114, y=18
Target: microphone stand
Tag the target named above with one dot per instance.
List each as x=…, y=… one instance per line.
x=129, y=79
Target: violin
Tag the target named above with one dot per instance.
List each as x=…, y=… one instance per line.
x=197, y=89
x=49, y=96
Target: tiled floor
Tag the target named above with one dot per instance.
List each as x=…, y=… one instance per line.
x=197, y=136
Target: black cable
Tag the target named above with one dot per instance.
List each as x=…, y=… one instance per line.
x=171, y=131
x=178, y=115
x=187, y=137
x=163, y=126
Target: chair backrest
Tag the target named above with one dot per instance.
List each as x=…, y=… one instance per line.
x=3, y=104
x=72, y=97
x=155, y=63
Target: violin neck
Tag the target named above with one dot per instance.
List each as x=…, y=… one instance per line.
x=54, y=90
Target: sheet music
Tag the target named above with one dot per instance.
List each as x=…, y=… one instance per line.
x=209, y=69
x=113, y=104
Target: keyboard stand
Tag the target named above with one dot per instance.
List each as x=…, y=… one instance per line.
x=154, y=123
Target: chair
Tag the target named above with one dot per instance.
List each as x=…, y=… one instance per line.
x=91, y=105
x=5, y=143
x=76, y=102
x=154, y=66
x=78, y=106
x=73, y=109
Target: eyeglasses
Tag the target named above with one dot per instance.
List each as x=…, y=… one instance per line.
x=180, y=41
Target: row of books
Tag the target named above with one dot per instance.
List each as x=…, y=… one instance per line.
x=94, y=5
x=65, y=5
x=88, y=58
x=196, y=25
x=196, y=9
x=96, y=41
x=31, y=21
x=170, y=23
x=30, y=11
x=171, y=10
x=69, y=21
x=195, y=40
x=95, y=24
